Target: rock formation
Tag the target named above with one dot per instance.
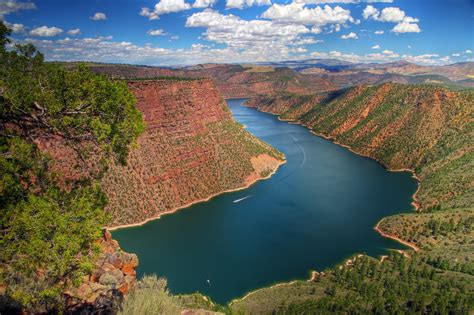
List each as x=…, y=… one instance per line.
x=113, y=276
x=191, y=150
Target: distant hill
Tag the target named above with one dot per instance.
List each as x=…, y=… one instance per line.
x=233, y=81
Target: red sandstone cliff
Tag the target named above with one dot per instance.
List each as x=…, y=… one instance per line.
x=191, y=150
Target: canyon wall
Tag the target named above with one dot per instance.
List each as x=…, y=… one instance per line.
x=427, y=129
x=191, y=150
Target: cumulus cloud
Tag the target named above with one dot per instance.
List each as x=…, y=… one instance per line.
x=17, y=28
x=351, y=35
x=299, y=14
x=74, y=32
x=406, y=27
x=165, y=7
x=468, y=51
x=405, y=24
x=240, y=4
x=341, y=1
x=12, y=6
x=105, y=49
x=385, y=56
x=236, y=32
x=158, y=32
x=375, y=47
x=45, y=31
x=99, y=16
x=204, y=3
x=370, y=11
x=380, y=32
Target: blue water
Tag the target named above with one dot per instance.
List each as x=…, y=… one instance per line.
x=318, y=209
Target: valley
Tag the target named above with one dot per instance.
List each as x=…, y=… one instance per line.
x=237, y=157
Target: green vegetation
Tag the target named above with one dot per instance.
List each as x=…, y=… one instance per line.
x=151, y=297
x=428, y=129
x=47, y=230
x=364, y=286
x=224, y=150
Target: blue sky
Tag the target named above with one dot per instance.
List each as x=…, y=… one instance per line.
x=172, y=32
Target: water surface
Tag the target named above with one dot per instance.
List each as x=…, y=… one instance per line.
x=318, y=209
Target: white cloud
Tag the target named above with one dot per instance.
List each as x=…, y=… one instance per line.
x=375, y=47
x=99, y=16
x=204, y=3
x=240, y=4
x=380, y=32
x=239, y=33
x=370, y=11
x=74, y=32
x=165, y=7
x=341, y=1
x=299, y=14
x=351, y=35
x=405, y=24
x=45, y=31
x=391, y=14
x=16, y=27
x=386, y=56
x=104, y=49
x=12, y=6
x=468, y=51
x=158, y=32
x=406, y=27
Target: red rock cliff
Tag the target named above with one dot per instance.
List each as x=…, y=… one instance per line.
x=191, y=150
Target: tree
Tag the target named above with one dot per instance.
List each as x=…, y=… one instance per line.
x=48, y=230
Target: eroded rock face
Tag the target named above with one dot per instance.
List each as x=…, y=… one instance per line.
x=191, y=150
x=113, y=277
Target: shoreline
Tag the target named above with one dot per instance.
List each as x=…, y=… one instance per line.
x=394, y=237
x=414, y=203
x=156, y=217
x=279, y=284
x=377, y=228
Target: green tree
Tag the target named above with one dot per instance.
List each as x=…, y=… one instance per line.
x=48, y=229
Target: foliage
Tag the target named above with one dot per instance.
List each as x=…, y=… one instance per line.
x=48, y=231
x=367, y=286
x=151, y=297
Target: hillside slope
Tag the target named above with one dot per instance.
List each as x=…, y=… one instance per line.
x=190, y=136
x=423, y=128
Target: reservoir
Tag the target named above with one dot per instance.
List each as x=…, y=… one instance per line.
x=317, y=210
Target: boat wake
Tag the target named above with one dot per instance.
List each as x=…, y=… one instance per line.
x=304, y=155
x=241, y=199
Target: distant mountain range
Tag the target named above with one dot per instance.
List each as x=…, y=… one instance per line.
x=302, y=76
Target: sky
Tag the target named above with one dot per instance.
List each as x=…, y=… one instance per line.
x=181, y=32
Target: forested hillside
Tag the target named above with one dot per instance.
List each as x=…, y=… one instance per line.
x=423, y=128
